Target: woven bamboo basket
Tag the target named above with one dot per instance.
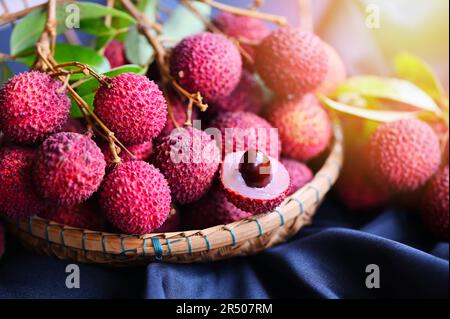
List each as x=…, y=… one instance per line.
x=244, y=237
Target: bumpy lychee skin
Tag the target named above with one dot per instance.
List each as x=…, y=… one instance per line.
x=336, y=73
x=435, y=204
x=238, y=27
x=69, y=168
x=404, y=154
x=189, y=159
x=18, y=197
x=291, y=61
x=207, y=63
x=115, y=53
x=304, y=126
x=172, y=223
x=299, y=173
x=32, y=106
x=212, y=209
x=2, y=240
x=86, y=215
x=253, y=199
x=135, y=197
x=244, y=130
x=133, y=107
x=247, y=96
x=141, y=152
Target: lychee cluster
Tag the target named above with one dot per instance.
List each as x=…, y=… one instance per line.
x=115, y=53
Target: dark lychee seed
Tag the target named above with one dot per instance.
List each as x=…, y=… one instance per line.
x=255, y=168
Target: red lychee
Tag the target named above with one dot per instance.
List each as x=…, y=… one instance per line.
x=304, y=126
x=18, y=198
x=247, y=96
x=242, y=27
x=404, y=154
x=291, y=61
x=189, y=159
x=336, y=73
x=69, y=168
x=132, y=106
x=299, y=173
x=32, y=106
x=244, y=130
x=211, y=210
x=257, y=187
x=115, y=53
x=86, y=215
x=2, y=240
x=135, y=197
x=207, y=63
x=435, y=206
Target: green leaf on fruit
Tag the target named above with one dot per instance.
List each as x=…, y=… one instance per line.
x=392, y=89
x=5, y=72
x=373, y=115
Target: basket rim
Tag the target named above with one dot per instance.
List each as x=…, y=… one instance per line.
x=300, y=204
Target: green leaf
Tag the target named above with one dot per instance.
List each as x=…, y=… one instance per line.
x=75, y=111
x=5, y=72
x=27, y=31
x=90, y=10
x=96, y=27
x=417, y=71
x=392, y=89
x=182, y=22
x=137, y=49
x=374, y=115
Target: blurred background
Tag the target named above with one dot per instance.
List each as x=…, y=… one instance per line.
x=367, y=33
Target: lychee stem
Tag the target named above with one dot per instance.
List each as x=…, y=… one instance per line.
x=84, y=69
x=244, y=12
x=256, y=4
x=188, y=122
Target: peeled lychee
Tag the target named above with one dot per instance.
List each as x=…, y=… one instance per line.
x=135, y=197
x=69, y=168
x=86, y=215
x=435, y=206
x=141, y=152
x=132, y=106
x=404, y=154
x=304, y=126
x=172, y=223
x=207, y=63
x=115, y=53
x=18, y=198
x=244, y=130
x=291, y=61
x=242, y=27
x=299, y=173
x=211, y=210
x=247, y=96
x=189, y=159
x=2, y=240
x=32, y=106
x=336, y=73
x=255, y=184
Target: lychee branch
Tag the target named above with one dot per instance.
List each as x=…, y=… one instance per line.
x=244, y=12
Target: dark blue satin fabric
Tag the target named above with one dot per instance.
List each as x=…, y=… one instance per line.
x=325, y=260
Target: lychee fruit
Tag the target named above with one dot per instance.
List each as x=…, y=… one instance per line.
x=435, y=207
x=336, y=74
x=404, y=154
x=135, y=197
x=207, y=63
x=179, y=114
x=244, y=130
x=86, y=215
x=299, y=173
x=242, y=27
x=132, y=106
x=189, y=159
x=141, y=152
x=446, y=155
x=32, y=106
x=212, y=209
x=115, y=53
x=18, y=197
x=69, y=168
x=253, y=181
x=172, y=223
x=304, y=126
x=2, y=240
x=291, y=61
x=247, y=96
